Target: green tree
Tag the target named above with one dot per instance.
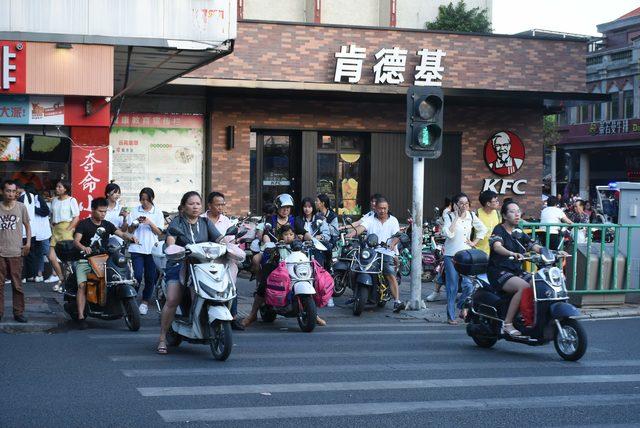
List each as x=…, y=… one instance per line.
x=459, y=18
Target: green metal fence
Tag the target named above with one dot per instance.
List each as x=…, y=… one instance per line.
x=592, y=236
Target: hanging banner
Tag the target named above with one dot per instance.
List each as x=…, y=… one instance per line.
x=14, y=110
x=90, y=175
x=161, y=151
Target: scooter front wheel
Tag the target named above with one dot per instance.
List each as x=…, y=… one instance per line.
x=131, y=314
x=339, y=283
x=362, y=295
x=221, y=339
x=307, y=313
x=571, y=345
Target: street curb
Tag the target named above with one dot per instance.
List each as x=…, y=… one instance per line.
x=611, y=313
x=30, y=327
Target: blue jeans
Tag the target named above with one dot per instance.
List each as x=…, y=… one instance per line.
x=43, y=251
x=452, y=278
x=143, y=266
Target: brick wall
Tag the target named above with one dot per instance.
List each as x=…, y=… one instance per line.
x=230, y=168
x=305, y=53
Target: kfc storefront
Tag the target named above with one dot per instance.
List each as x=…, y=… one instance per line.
x=54, y=120
x=325, y=112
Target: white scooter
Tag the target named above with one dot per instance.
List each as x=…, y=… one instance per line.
x=204, y=315
x=300, y=303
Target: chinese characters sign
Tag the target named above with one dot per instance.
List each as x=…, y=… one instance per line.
x=390, y=66
x=610, y=127
x=90, y=174
x=32, y=110
x=12, y=67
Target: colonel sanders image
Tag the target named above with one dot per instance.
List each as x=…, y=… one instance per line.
x=505, y=163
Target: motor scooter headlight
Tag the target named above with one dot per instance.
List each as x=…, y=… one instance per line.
x=302, y=271
x=365, y=255
x=555, y=276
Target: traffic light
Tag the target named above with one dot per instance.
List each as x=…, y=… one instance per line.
x=424, y=122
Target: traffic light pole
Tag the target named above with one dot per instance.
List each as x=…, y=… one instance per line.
x=416, y=303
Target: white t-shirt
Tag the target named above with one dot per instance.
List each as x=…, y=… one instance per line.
x=31, y=209
x=64, y=210
x=40, y=226
x=552, y=215
x=113, y=215
x=384, y=230
x=146, y=238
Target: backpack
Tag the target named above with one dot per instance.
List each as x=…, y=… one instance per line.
x=278, y=286
x=323, y=283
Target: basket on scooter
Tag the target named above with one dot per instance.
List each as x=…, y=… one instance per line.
x=471, y=262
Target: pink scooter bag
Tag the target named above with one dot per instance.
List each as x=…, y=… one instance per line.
x=323, y=284
x=278, y=286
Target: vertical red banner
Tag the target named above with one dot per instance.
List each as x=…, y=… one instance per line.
x=89, y=175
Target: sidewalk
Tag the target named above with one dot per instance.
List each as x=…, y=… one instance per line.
x=43, y=309
x=45, y=312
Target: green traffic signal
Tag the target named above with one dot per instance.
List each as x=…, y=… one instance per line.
x=424, y=137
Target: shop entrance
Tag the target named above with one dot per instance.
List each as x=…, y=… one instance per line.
x=276, y=168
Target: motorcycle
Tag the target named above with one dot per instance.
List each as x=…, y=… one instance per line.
x=369, y=284
x=111, y=291
x=299, y=303
x=204, y=315
x=552, y=314
x=342, y=256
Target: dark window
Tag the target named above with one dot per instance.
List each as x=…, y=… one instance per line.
x=615, y=108
x=628, y=104
x=597, y=112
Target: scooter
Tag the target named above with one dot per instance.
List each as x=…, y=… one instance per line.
x=552, y=314
x=204, y=315
x=299, y=302
x=110, y=295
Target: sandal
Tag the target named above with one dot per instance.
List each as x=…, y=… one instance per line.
x=320, y=321
x=162, y=348
x=452, y=322
x=511, y=331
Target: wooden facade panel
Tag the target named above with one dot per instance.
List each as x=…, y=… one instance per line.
x=392, y=173
x=85, y=70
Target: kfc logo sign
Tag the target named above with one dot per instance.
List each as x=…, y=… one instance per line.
x=12, y=67
x=504, y=153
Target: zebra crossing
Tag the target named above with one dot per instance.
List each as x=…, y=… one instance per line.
x=369, y=373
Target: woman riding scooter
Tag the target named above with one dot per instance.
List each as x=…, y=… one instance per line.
x=505, y=271
x=194, y=229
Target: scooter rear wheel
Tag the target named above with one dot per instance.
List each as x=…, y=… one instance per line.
x=267, y=314
x=131, y=314
x=173, y=338
x=484, y=342
x=575, y=345
x=221, y=339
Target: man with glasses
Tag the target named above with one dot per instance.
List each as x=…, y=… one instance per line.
x=489, y=216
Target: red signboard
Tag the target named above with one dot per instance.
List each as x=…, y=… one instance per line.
x=13, y=67
x=504, y=153
x=89, y=174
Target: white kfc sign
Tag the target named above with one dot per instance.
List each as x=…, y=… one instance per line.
x=390, y=66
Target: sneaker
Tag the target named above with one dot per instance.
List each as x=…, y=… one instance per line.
x=331, y=304
x=7, y=282
x=24, y=280
x=32, y=279
x=82, y=324
x=398, y=306
x=39, y=279
x=52, y=278
x=237, y=325
x=56, y=288
x=433, y=296
x=144, y=309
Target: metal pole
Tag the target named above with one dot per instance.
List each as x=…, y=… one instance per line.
x=416, y=303
x=554, y=182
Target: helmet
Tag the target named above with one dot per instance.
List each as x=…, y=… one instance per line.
x=284, y=200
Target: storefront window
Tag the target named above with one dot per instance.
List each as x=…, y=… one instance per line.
x=628, y=104
x=253, y=159
x=615, y=109
x=597, y=112
x=342, y=171
x=276, y=178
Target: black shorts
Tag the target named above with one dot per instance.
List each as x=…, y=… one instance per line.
x=498, y=278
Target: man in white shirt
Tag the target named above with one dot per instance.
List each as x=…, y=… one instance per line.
x=552, y=213
x=384, y=226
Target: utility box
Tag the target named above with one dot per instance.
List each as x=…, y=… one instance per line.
x=629, y=213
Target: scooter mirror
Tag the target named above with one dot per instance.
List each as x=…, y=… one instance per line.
x=296, y=245
x=517, y=233
x=233, y=230
x=101, y=231
x=241, y=233
x=348, y=220
x=267, y=227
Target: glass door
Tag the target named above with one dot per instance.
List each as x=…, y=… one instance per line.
x=277, y=164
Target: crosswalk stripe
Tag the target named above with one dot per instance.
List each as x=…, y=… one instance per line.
x=383, y=385
x=281, y=333
x=385, y=408
x=331, y=324
x=353, y=368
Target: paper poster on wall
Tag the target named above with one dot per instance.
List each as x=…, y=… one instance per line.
x=160, y=151
x=46, y=110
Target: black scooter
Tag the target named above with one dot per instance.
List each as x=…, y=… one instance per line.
x=121, y=289
x=552, y=318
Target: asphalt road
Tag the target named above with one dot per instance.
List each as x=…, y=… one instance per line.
x=368, y=371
